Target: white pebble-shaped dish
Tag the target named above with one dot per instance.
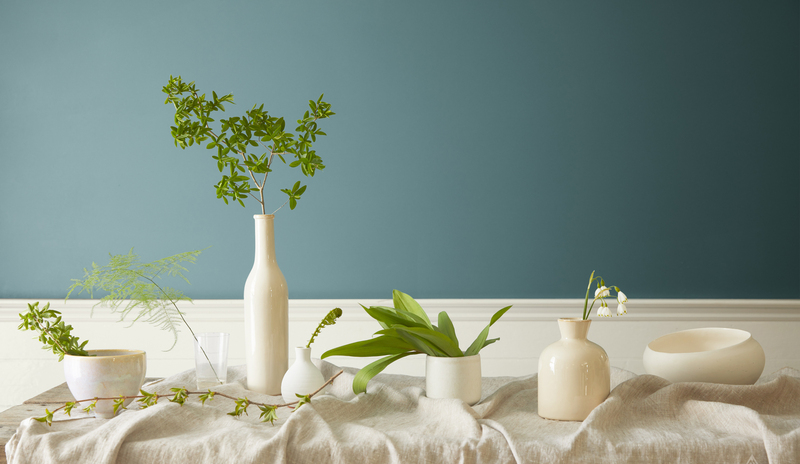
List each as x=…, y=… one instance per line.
x=713, y=355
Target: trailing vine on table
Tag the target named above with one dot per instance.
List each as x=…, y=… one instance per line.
x=269, y=412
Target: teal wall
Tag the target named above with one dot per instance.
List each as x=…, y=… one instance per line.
x=480, y=149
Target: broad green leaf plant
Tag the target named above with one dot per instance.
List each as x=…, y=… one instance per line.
x=407, y=331
x=246, y=145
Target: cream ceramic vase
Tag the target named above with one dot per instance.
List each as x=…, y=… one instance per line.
x=266, y=314
x=574, y=374
x=458, y=378
x=302, y=378
x=105, y=374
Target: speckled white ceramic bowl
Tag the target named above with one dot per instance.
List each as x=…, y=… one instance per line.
x=713, y=355
x=105, y=374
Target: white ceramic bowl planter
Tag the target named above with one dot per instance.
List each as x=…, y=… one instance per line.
x=458, y=378
x=105, y=374
x=714, y=355
x=302, y=378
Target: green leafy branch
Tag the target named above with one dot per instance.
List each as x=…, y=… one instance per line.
x=407, y=330
x=193, y=113
x=181, y=395
x=132, y=286
x=53, y=332
x=329, y=319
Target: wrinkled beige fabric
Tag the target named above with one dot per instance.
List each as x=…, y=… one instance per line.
x=645, y=419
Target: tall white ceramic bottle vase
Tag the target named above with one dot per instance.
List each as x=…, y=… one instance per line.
x=266, y=314
x=574, y=374
x=302, y=378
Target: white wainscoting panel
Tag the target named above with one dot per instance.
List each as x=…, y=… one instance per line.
x=26, y=369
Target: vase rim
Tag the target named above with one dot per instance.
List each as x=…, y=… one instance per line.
x=453, y=358
x=263, y=216
x=573, y=319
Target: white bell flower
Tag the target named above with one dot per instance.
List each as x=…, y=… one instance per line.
x=604, y=312
x=601, y=292
x=621, y=297
x=621, y=309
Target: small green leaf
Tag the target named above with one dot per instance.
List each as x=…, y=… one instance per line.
x=304, y=399
x=404, y=301
x=119, y=403
x=69, y=406
x=269, y=413
x=379, y=346
x=478, y=344
x=446, y=326
x=206, y=396
x=48, y=418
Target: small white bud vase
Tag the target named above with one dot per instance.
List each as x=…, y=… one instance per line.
x=574, y=374
x=302, y=378
x=458, y=378
x=266, y=314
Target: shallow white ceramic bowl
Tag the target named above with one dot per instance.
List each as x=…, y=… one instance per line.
x=105, y=374
x=713, y=355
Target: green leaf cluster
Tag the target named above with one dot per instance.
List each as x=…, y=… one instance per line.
x=148, y=399
x=133, y=287
x=269, y=413
x=53, y=332
x=47, y=419
x=241, y=407
x=302, y=399
x=329, y=319
x=407, y=330
x=120, y=403
x=245, y=145
x=180, y=395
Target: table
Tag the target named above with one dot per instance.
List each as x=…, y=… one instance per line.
x=645, y=419
x=33, y=407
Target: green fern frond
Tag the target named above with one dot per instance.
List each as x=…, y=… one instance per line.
x=133, y=290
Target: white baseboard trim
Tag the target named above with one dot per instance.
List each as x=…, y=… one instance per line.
x=76, y=311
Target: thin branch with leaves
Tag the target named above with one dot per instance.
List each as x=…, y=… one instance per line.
x=181, y=395
x=237, y=134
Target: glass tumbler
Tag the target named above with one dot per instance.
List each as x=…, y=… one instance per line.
x=211, y=359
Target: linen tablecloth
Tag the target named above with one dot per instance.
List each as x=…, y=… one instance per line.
x=645, y=419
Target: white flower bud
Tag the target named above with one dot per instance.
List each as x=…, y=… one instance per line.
x=601, y=292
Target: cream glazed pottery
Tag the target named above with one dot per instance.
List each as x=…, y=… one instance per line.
x=574, y=374
x=302, y=378
x=105, y=374
x=266, y=314
x=458, y=378
x=714, y=355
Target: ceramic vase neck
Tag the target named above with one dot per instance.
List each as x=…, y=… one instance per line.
x=265, y=239
x=574, y=328
x=302, y=353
